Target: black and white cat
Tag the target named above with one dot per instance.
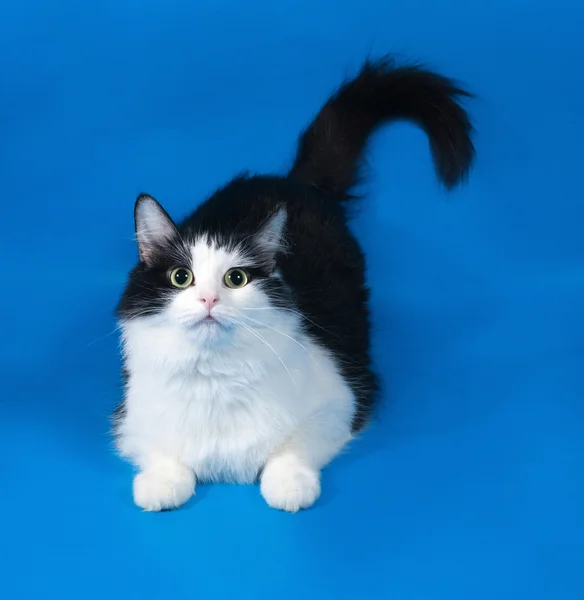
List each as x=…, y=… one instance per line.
x=245, y=328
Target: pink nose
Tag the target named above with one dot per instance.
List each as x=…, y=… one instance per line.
x=210, y=300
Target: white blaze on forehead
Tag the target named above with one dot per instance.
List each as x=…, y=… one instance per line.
x=210, y=262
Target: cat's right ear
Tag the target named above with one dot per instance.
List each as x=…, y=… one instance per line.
x=154, y=228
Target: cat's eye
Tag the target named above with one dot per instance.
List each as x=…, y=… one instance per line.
x=236, y=278
x=181, y=277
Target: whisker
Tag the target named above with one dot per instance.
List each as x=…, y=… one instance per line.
x=103, y=337
x=135, y=281
x=296, y=313
x=262, y=339
x=281, y=333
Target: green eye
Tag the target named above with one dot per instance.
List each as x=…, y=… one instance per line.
x=181, y=277
x=236, y=278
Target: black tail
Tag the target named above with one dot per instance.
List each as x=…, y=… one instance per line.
x=330, y=151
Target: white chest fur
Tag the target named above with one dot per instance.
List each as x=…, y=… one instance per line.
x=222, y=412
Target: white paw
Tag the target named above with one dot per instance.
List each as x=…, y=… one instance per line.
x=288, y=484
x=163, y=487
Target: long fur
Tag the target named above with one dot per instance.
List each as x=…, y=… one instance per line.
x=280, y=379
x=331, y=149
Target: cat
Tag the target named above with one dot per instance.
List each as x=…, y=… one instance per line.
x=245, y=328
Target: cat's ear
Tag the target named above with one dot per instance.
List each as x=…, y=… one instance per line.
x=270, y=238
x=154, y=228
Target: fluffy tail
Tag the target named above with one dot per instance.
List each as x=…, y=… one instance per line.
x=330, y=151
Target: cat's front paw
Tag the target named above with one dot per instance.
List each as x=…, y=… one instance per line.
x=288, y=484
x=163, y=487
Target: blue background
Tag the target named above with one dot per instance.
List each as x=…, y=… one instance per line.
x=470, y=485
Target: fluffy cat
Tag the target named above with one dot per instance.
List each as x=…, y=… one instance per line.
x=245, y=328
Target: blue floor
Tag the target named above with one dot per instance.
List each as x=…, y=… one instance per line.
x=471, y=483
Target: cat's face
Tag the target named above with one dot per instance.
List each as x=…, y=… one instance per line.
x=206, y=286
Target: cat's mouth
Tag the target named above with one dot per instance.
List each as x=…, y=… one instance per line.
x=210, y=321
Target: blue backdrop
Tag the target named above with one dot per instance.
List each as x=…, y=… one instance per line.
x=470, y=485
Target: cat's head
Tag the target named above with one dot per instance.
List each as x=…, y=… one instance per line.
x=206, y=283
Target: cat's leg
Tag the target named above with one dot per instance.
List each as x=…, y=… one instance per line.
x=290, y=479
x=163, y=484
x=164, y=481
x=152, y=443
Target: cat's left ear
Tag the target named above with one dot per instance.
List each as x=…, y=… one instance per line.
x=270, y=238
x=154, y=228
